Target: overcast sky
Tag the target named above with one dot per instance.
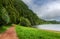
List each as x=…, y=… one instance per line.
x=46, y=9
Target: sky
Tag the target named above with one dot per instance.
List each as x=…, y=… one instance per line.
x=45, y=9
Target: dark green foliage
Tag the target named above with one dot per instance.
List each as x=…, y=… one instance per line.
x=11, y=12
x=24, y=22
x=15, y=12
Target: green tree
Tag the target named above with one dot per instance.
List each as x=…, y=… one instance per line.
x=24, y=22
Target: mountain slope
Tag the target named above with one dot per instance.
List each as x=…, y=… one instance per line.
x=16, y=12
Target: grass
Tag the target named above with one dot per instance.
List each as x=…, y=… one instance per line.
x=3, y=29
x=31, y=33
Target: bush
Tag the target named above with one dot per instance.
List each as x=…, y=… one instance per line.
x=24, y=22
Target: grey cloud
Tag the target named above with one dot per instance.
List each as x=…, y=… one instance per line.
x=48, y=11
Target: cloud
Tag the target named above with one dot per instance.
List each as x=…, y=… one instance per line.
x=49, y=11
x=28, y=2
x=45, y=9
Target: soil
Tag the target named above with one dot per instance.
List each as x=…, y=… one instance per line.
x=9, y=34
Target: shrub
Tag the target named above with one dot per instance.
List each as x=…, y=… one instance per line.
x=24, y=22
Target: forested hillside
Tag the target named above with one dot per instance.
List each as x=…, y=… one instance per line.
x=17, y=12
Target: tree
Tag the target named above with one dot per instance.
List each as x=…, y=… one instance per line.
x=24, y=21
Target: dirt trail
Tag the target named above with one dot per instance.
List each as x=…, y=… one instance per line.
x=9, y=34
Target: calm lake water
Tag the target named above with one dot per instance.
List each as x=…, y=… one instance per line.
x=55, y=27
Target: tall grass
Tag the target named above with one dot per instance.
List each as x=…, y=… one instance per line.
x=31, y=33
x=3, y=29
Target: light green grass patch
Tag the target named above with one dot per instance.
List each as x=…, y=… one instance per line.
x=32, y=33
x=3, y=29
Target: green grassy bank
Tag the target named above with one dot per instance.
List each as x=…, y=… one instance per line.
x=4, y=28
x=31, y=33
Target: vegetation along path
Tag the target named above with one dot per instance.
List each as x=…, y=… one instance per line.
x=9, y=34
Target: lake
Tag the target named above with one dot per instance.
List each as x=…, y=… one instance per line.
x=55, y=27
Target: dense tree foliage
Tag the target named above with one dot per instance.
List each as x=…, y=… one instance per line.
x=24, y=21
x=17, y=12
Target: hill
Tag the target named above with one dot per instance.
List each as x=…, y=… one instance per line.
x=17, y=12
